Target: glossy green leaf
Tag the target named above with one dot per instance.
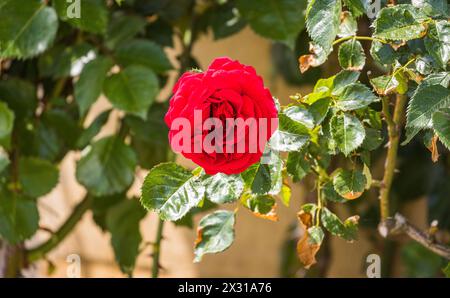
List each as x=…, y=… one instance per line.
x=329, y=193
x=262, y=206
x=351, y=55
x=257, y=178
x=401, y=22
x=171, y=190
x=87, y=15
x=355, y=96
x=344, y=79
x=385, y=85
x=26, y=30
x=280, y=20
x=37, y=177
x=215, y=233
x=373, y=139
x=383, y=53
x=437, y=42
x=145, y=53
x=441, y=126
x=349, y=184
x=322, y=21
x=347, y=229
x=107, y=167
x=424, y=103
x=226, y=20
x=221, y=188
x=432, y=7
x=89, y=86
x=291, y=135
x=348, y=26
x=347, y=132
x=132, y=90
x=357, y=7
x=298, y=166
x=122, y=221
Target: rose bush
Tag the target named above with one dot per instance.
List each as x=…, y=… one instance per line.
x=226, y=90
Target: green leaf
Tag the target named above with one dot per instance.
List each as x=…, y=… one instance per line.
x=349, y=184
x=301, y=115
x=356, y=7
x=351, y=55
x=348, y=26
x=446, y=270
x=401, y=22
x=101, y=206
x=319, y=110
x=441, y=126
x=149, y=137
x=145, y=53
x=291, y=135
x=171, y=190
x=432, y=7
x=355, y=96
x=132, y=90
x=385, y=85
x=20, y=96
x=107, y=167
x=122, y=220
x=122, y=28
x=221, y=188
x=27, y=30
x=383, y=53
x=329, y=193
x=322, y=21
x=298, y=166
x=280, y=20
x=424, y=103
x=257, y=178
x=347, y=229
x=343, y=79
x=92, y=130
x=6, y=125
x=62, y=61
x=225, y=20
x=215, y=233
x=261, y=205
x=93, y=14
x=89, y=86
x=347, y=132
x=437, y=42
x=373, y=139
x=36, y=176
x=19, y=216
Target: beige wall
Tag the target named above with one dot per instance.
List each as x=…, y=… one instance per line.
x=256, y=250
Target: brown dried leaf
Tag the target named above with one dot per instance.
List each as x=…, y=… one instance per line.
x=432, y=146
x=352, y=195
x=306, y=250
x=271, y=215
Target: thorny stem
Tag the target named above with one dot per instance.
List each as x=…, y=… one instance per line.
x=391, y=158
x=78, y=212
x=157, y=249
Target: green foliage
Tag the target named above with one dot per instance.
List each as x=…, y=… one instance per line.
x=172, y=191
x=122, y=221
x=215, y=233
x=107, y=167
x=276, y=19
x=54, y=68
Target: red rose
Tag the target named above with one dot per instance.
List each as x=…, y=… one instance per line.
x=229, y=98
